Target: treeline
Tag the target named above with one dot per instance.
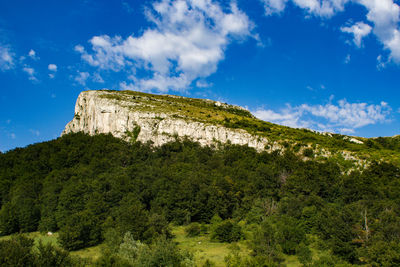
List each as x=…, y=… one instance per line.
x=94, y=189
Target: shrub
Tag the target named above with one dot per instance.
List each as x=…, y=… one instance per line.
x=193, y=229
x=227, y=231
x=16, y=252
x=308, y=152
x=49, y=256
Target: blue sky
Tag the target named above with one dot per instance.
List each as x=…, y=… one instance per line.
x=327, y=65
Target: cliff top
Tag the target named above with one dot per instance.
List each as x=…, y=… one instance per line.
x=233, y=117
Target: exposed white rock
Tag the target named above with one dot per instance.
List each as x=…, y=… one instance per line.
x=96, y=114
x=353, y=140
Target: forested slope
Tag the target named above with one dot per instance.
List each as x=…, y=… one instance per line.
x=94, y=189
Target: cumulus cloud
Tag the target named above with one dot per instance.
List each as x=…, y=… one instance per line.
x=6, y=58
x=383, y=14
x=52, y=67
x=342, y=117
x=359, y=31
x=32, y=54
x=203, y=84
x=321, y=8
x=97, y=78
x=274, y=6
x=381, y=62
x=187, y=42
x=31, y=73
x=347, y=59
x=81, y=78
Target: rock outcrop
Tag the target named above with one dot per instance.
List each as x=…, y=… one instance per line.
x=125, y=117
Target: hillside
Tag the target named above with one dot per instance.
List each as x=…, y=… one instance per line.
x=163, y=118
x=258, y=208
x=136, y=180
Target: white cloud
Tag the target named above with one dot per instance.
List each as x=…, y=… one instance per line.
x=82, y=77
x=359, y=31
x=97, y=78
x=52, y=67
x=384, y=14
x=31, y=73
x=322, y=8
x=347, y=59
x=188, y=41
x=203, y=84
x=6, y=58
x=381, y=62
x=288, y=116
x=127, y=7
x=342, y=117
x=79, y=49
x=32, y=54
x=274, y=6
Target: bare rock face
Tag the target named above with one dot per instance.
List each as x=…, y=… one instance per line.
x=102, y=112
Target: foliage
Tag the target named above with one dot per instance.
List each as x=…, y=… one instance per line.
x=50, y=256
x=304, y=254
x=227, y=231
x=97, y=188
x=19, y=251
x=193, y=229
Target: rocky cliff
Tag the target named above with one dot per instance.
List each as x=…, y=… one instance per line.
x=135, y=116
x=159, y=119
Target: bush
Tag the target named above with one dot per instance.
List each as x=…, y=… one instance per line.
x=289, y=234
x=304, y=254
x=163, y=253
x=16, y=252
x=227, y=231
x=193, y=229
x=308, y=152
x=49, y=256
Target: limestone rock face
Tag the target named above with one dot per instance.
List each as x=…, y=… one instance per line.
x=99, y=112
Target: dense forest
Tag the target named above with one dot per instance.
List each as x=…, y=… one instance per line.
x=100, y=189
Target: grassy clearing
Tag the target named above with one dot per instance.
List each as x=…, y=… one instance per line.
x=203, y=249
x=37, y=236
x=91, y=253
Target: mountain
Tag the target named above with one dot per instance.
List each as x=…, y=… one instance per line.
x=245, y=193
x=136, y=116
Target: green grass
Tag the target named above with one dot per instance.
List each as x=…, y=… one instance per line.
x=37, y=237
x=203, y=249
x=91, y=253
